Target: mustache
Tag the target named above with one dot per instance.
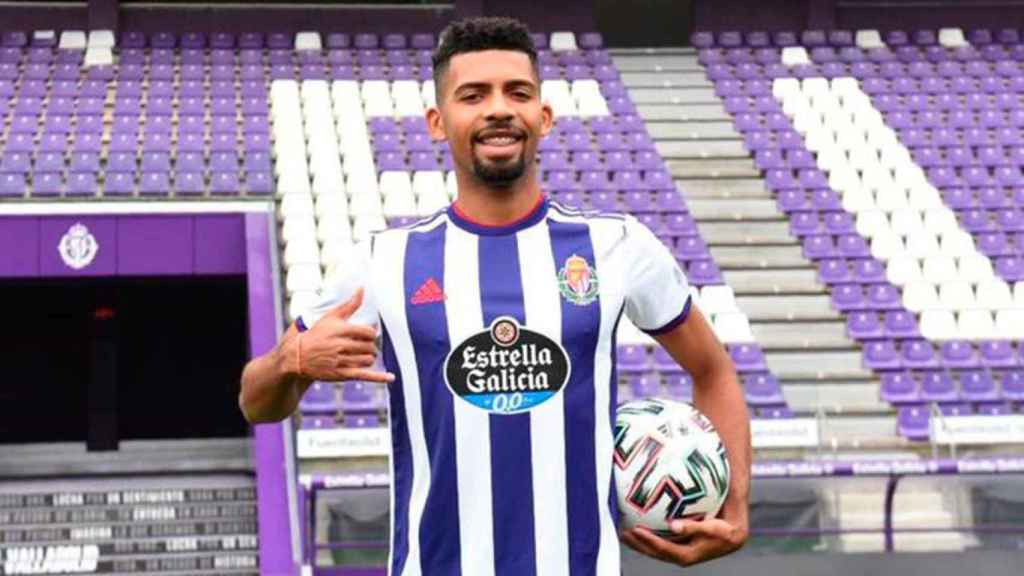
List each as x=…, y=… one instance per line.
x=500, y=128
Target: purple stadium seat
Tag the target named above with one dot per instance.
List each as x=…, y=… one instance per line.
x=1012, y=382
x=881, y=355
x=82, y=184
x=119, y=184
x=912, y=422
x=998, y=354
x=762, y=390
x=958, y=354
x=995, y=409
x=938, y=386
x=664, y=364
x=864, y=325
x=47, y=184
x=919, y=354
x=899, y=388
x=154, y=184
x=259, y=183
x=49, y=162
x=189, y=183
x=748, y=358
x=978, y=386
x=360, y=397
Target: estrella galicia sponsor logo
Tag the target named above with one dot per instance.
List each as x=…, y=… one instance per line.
x=507, y=368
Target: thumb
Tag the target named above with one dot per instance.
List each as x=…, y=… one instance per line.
x=346, y=309
x=685, y=528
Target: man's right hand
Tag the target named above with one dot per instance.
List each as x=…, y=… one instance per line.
x=335, y=350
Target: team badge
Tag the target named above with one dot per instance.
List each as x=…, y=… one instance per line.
x=78, y=247
x=577, y=281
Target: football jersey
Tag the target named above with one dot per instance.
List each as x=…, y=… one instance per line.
x=502, y=340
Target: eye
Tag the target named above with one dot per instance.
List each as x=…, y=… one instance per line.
x=470, y=97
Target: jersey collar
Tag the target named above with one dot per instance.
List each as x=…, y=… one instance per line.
x=464, y=221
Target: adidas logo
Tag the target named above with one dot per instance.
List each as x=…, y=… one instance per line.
x=428, y=293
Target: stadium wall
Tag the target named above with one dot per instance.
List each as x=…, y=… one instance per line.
x=884, y=15
x=576, y=15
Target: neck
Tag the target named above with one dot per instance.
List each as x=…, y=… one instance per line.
x=479, y=202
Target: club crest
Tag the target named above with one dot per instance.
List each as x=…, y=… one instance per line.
x=577, y=281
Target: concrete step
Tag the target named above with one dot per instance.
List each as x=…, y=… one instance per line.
x=704, y=149
x=759, y=257
x=818, y=365
x=723, y=188
x=849, y=430
x=835, y=397
x=666, y=79
x=713, y=168
x=796, y=335
x=674, y=96
x=740, y=233
x=690, y=113
x=786, y=306
x=697, y=130
x=657, y=63
x=735, y=209
x=763, y=282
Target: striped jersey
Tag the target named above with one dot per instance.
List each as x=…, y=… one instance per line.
x=502, y=340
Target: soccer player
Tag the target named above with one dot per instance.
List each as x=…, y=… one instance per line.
x=497, y=320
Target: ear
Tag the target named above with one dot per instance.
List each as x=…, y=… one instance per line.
x=435, y=125
x=547, y=119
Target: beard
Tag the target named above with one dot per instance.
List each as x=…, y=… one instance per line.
x=499, y=175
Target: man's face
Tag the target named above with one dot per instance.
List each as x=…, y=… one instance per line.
x=490, y=111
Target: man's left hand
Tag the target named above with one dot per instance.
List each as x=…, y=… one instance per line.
x=693, y=541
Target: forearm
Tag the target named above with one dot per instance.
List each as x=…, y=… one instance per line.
x=719, y=396
x=270, y=388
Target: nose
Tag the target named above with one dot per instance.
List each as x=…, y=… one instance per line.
x=499, y=109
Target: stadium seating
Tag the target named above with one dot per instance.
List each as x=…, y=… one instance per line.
x=917, y=145
x=378, y=166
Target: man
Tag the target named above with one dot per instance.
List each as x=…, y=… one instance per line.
x=498, y=320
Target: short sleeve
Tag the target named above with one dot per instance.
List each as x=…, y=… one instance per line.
x=657, y=292
x=348, y=274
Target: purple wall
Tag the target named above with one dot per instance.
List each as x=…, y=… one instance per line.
x=125, y=245
x=175, y=244
x=276, y=554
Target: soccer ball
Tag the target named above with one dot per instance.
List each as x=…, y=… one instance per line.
x=669, y=464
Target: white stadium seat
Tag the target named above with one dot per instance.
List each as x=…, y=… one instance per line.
x=718, y=299
x=301, y=301
x=868, y=39
x=938, y=325
x=1010, y=324
x=334, y=203
x=922, y=244
x=995, y=294
x=334, y=228
x=919, y=296
x=563, y=42
x=906, y=221
x=976, y=325
x=395, y=182
x=974, y=268
x=100, y=39
x=428, y=182
x=303, y=278
x=903, y=269
x=733, y=328
x=400, y=204
x=363, y=226
x=307, y=40
x=957, y=295
x=956, y=244
x=72, y=40
x=939, y=269
x=871, y=222
x=952, y=38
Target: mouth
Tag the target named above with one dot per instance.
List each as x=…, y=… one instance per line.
x=499, y=139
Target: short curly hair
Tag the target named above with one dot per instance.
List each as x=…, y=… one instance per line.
x=481, y=33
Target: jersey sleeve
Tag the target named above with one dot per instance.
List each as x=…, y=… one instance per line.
x=349, y=273
x=657, y=291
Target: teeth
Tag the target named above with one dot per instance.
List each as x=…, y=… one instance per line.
x=499, y=140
